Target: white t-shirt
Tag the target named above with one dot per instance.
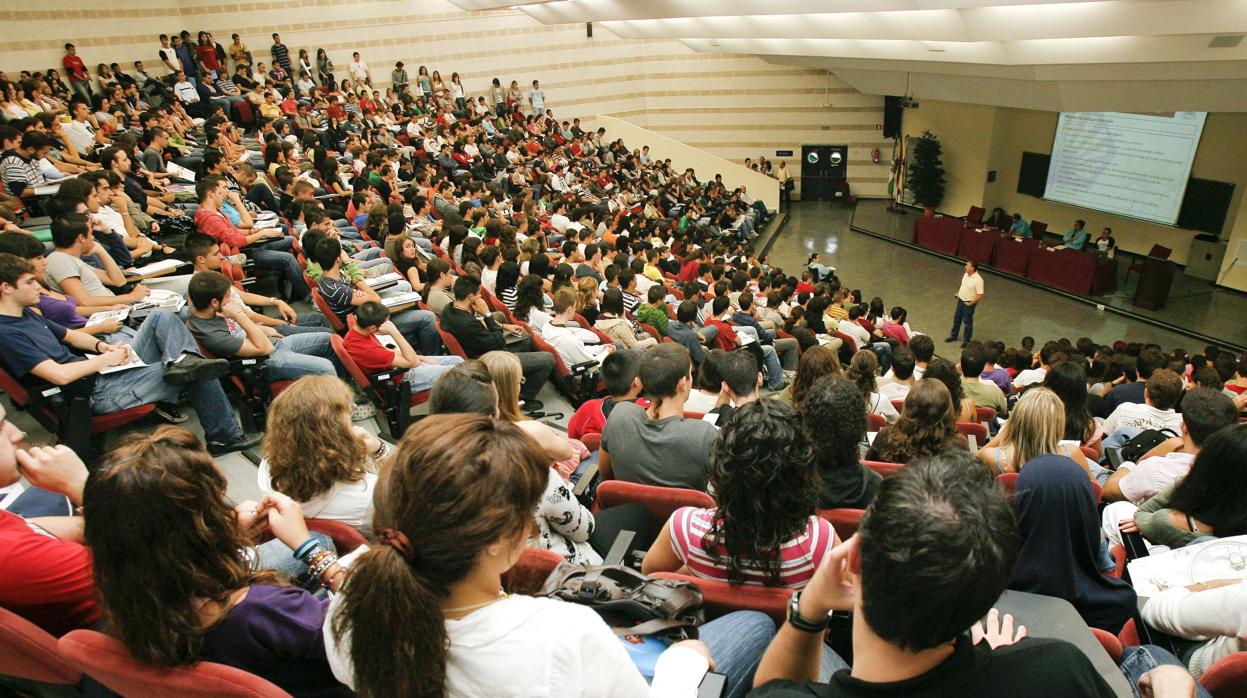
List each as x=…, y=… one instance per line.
x=856, y=331
x=347, y=502
x=894, y=391
x=1149, y=476
x=1029, y=376
x=521, y=646
x=971, y=287
x=1135, y=417
x=80, y=134
x=113, y=219
x=359, y=70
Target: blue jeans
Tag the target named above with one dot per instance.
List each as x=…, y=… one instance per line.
x=276, y=255
x=1137, y=661
x=277, y=556
x=419, y=327
x=963, y=313
x=308, y=322
x=422, y=376
x=305, y=354
x=737, y=641
x=162, y=338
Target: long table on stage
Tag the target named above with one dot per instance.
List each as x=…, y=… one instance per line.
x=1068, y=270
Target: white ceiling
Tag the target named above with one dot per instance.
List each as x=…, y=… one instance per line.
x=1048, y=54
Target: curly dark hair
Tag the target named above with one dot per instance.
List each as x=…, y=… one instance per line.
x=766, y=488
x=816, y=363
x=834, y=418
x=945, y=372
x=862, y=369
x=926, y=427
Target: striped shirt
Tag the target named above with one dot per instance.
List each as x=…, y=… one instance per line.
x=799, y=556
x=18, y=173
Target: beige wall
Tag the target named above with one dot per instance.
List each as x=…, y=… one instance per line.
x=683, y=156
x=978, y=139
x=732, y=106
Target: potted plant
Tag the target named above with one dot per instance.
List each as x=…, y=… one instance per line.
x=926, y=173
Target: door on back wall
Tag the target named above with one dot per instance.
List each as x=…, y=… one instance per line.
x=823, y=169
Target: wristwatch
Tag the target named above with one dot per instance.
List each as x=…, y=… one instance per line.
x=800, y=622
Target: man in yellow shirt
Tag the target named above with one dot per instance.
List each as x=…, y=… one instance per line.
x=270, y=109
x=968, y=297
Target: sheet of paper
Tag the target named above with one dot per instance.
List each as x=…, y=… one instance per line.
x=384, y=279
x=400, y=299
x=133, y=362
x=1224, y=558
x=155, y=267
x=106, y=315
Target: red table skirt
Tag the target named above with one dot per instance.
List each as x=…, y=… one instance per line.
x=978, y=246
x=1014, y=256
x=1074, y=271
x=941, y=234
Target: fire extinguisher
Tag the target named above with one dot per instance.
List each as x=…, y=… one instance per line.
x=874, y=155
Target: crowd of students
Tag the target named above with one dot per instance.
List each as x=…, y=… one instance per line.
x=540, y=247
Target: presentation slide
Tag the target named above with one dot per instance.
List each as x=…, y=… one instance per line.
x=1133, y=165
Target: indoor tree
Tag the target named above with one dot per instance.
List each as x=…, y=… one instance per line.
x=926, y=171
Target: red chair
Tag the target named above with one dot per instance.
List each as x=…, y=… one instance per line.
x=898, y=405
x=650, y=330
x=978, y=431
x=722, y=598
x=1090, y=453
x=875, y=422
x=1119, y=559
x=106, y=660
x=346, y=538
x=1228, y=677
x=452, y=345
x=334, y=321
x=1158, y=251
x=884, y=469
x=388, y=390
x=592, y=440
x=255, y=392
x=602, y=336
x=693, y=415
x=1038, y=228
x=849, y=343
x=29, y=652
x=660, y=501
x=845, y=521
x=1109, y=642
x=529, y=572
x=1129, y=635
x=1009, y=481
x=579, y=382
x=985, y=415
x=975, y=216
x=69, y=418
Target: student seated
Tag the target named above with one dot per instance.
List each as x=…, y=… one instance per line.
x=315, y=456
x=862, y=372
x=362, y=343
x=621, y=377
x=47, y=569
x=612, y=321
x=60, y=308
x=926, y=427
x=656, y=445
x=709, y=385
x=217, y=605
x=66, y=272
x=816, y=362
x=458, y=501
x=982, y=392
x=574, y=344
x=834, y=418
x=345, y=294
x=739, y=386
x=902, y=379
x=654, y=311
x=469, y=320
x=205, y=254
x=764, y=529
x=946, y=373
x=222, y=325
x=917, y=618
x=1035, y=428
x=1160, y=397
x=34, y=347
x=1204, y=413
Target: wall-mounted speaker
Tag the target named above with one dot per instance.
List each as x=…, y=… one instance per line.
x=892, y=111
x=589, y=29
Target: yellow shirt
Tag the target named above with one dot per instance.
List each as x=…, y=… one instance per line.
x=652, y=273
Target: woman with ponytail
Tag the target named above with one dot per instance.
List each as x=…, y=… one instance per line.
x=423, y=614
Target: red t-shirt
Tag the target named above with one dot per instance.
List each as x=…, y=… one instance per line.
x=47, y=580
x=803, y=287
x=368, y=352
x=727, y=336
x=688, y=270
x=207, y=56
x=215, y=224
x=588, y=419
x=76, y=68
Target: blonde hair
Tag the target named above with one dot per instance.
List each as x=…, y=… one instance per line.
x=1035, y=426
x=309, y=444
x=586, y=292
x=506, y=373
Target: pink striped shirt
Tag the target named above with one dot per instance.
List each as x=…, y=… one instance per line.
x=799, y=556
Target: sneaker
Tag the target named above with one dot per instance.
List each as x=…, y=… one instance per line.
x=169, y=413
x=242, y=443
x=950, y=339
x=189, y=368
x=965, y=344
x=362, y=411
x=237, y=259
x=533, y=405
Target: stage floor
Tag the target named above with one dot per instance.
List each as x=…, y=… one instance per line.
x=924, y=283
x=1196, y=307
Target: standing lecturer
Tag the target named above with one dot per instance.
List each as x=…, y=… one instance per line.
x=968, y=298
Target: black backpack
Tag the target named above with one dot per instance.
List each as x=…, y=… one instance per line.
x=1144, y=441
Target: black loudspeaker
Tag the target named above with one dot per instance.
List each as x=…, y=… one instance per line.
x=589, y=29
x=892, y=111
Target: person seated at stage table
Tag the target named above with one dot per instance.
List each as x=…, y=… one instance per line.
x=1106, y=243
x=1075, y=238
x=999, y=219
x=1020, y=228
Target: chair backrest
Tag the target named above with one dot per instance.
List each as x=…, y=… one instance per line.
x=346, y=538
x=323, y=307
x=1227, y=678
x=845, y=521
x=29, y=652
x=1109, y=642
x=1038, y=228
x=849, y=342
x=884, y=469
x=875, y=422
x=722, y=598
x=540, y=344
x=452, y=345
x=984, y=415
x=898, y=405
x=1009, y=481
x=13, y=388
x=602, y=336
x=106, y=660
x=530, y=571
x=975, y=216
x=660, y=501
x=976, y=430
x=348, y=362
x=1160, y=252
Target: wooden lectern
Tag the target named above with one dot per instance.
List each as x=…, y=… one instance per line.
x=1154, y=281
